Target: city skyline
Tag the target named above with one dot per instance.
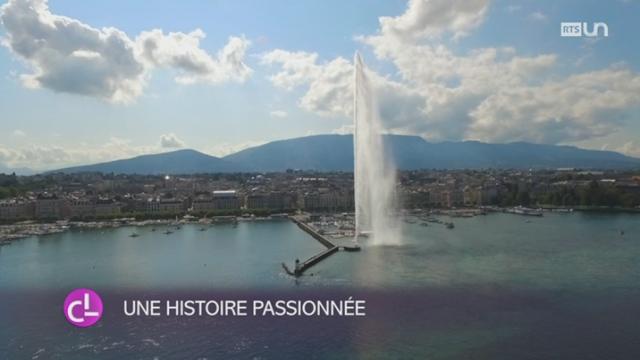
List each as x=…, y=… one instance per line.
x=86, y=83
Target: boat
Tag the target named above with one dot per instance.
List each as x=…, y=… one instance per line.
x=202, y=229
x=134, y=235
x=168, y=232
x=351, y=248
x=424, y=224
x=449, y=225
x=521, y=210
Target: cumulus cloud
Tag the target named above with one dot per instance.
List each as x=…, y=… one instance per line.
x=182, y=52
x=432, y=18
x=171, y=141
x=18, y=133
x=329, y=85
x=66, y=55
x=34, y=156
x=47, y=157
x=513, y=8
x=425, y=101
x=226, y=148
x=51, y=157
x=344, y=130
x=278, y=114
x=580, y=107
x=488, y=94
x=538, y=16
x=631, y=148
x=494, y=94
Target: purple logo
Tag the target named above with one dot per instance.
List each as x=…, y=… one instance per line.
x=83, y=307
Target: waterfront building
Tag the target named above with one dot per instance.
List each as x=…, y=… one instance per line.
x=226, y=200
x=107, y=208
x=156, y=205
x=218, y=200
x=50, y=207
x=80, y=208
x=416, y=199
x=472, y=196
x=328, y=201
x=270, y=201
x=16, y=210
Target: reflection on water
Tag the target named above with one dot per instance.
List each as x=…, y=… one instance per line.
x=577, y=251
x=222, y=256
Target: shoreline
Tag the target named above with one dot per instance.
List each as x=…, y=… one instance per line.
x=24, y=229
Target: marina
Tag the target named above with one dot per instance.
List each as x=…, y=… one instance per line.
x=301, y=267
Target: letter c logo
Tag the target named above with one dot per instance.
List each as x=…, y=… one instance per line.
x=83, y=307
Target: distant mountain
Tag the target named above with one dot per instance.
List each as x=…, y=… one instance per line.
x=175, y=162
x=335, y=153
x=319, y=152
x=18, y=171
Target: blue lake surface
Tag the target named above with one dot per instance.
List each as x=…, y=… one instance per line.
x=499, y=286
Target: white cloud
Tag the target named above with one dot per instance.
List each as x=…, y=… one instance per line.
x=66, y=55
x=488, y=94
x=224, y=149
x=432, y=18
x=278, y=114
x=296, y=67
x=329, y=84
x=182, y=52
x=18, y=133
x=171, y=141
x=496, y=95
x=583, y=106
x=630, y=148
x=330, y=91
x=344, y=130
x=513, y=8
x=51, y=157
x=47, y=157
x=538, y=16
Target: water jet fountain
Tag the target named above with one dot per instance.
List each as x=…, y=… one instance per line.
x=374, y=171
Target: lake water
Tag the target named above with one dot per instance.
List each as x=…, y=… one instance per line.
x=500, y=286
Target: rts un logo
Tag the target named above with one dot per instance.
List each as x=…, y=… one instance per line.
x=579, y=29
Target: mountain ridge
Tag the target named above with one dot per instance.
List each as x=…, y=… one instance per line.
x=335, y=153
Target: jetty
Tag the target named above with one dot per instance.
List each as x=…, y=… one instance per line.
x=331, y=249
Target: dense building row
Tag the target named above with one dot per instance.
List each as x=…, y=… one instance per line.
x=92, y=195
x=47, y=206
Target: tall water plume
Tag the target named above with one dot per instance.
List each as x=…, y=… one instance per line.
x=374, y=171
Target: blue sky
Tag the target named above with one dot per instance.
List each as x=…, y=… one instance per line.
x=468, y=72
